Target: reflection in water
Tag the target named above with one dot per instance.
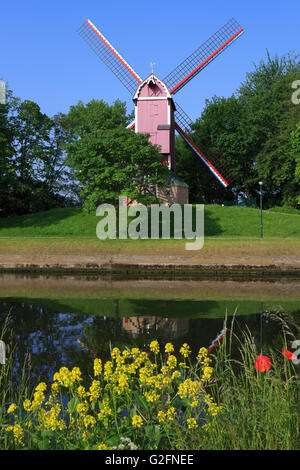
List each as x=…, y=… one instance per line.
x=46, y=340
x=169, y=328
x=65, y=321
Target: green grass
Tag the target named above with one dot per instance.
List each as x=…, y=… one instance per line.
x=232, y=235
x=219, y=222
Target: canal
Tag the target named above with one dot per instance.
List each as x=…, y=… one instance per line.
x=49, y=321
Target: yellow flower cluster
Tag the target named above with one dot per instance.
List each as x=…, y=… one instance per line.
x=154, y=347
x=97, y=367
x=189, y=388
x=11, y=408
x=192, y=423
x=169, y=348
x=49, y=420
x=137, y=421
x=18, y=433
x=105, y=411
x=213, y=408
x=132, y=381
x=185, y=350
x=66, y=377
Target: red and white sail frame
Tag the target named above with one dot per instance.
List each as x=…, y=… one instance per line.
x=178, y=78
x=109, y=55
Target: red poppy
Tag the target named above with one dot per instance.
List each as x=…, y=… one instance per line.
x=288, y=354
x=262, y=363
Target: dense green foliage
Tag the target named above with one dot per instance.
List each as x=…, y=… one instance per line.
x=110, y=160
x=33, y=173
x=254, y=133
x=88, y=156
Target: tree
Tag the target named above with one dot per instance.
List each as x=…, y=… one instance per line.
x=221, y=133
x=250, y=133
x=295, y=150
x=33, y=171
x=7, y=173
x=108, y=159
x=271, y=117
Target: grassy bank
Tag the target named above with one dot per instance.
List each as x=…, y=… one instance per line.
x=160, y=399
x=221, y=222
x=231, y=235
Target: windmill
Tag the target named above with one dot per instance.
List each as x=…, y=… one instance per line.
x=156, y=113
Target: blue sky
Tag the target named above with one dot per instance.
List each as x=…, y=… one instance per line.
x=43, y=58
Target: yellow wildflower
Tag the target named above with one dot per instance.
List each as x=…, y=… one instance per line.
x=103, y=447
x=207, y=373
x=94, y=390
x=172, y=361
x=89, y=420
x=192, y=423
x=135, y=352
x=154, y=347
x=42, y=387
x=137, y=421
x=202, y=353
x=82, y=408
x=185, y=350
x=161, y=416
x=176, y=374
x=81, y=391
x=151, y=397
x=97, y=367
x=125, y=354
x=189, y=388
x=12, y=408
x=171, y=413
x=183, y=365
x=115, y=353
x=38, y=399
x=106, y=410
x=17, y=432
x=169, y=348
x=27, y=405
x=76, y=374
x=108, y=369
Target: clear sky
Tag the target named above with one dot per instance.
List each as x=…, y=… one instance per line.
x=43, y=58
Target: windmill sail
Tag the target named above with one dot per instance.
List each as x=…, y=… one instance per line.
x=202, y=56
x=110, y=56
x=183, y=127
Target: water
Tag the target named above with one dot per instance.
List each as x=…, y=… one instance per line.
x=59, y=321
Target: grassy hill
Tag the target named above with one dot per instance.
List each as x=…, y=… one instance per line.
x=219, y=222
x=232, y=235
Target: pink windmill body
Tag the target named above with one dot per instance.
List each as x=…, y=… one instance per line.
x=156, y=113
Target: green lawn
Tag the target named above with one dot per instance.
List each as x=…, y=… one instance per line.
x=219, y=222
x=230, y=231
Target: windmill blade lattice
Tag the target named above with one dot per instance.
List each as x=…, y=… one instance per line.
x=109, y=55
x=202, y=56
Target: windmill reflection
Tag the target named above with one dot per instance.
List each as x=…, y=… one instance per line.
x=161, y=327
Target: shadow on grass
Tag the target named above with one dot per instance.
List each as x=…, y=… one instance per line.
x=66, y=221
